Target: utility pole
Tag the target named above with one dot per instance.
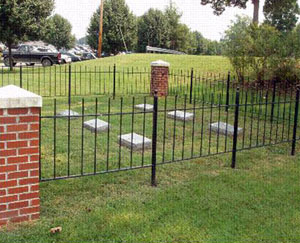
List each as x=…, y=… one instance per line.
x=100, y=30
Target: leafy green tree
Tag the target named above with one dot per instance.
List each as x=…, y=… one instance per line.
x=59, y=33
x=282, y=14
x=199, y=43
x=22, y=20
x=153, y=30
x=175, y=28
x=219, y=6
x=119, y=27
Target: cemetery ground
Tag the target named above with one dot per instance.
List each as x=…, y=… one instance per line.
x=199, y=200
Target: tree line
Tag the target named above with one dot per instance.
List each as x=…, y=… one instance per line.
x=154, y=28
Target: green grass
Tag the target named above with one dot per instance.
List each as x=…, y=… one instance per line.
x=200, y=200
x=197, y=201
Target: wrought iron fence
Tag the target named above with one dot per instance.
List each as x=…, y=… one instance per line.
x=167, y=130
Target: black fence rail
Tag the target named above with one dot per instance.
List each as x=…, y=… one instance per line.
x=204, y=126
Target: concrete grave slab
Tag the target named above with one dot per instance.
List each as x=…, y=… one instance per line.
x=96, y=125
x=135, y=141
x=145, y=107
x=181, y=115
x=222, y=127
x=65, y=114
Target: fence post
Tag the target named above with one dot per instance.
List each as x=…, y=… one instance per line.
x=191, y=87
x=273, y=101
x=236, y=125
x=21, y=76
x=114, y=85
x=19, y=155
x=70, y=84
x=154, y=138
x=227, y=92
x=295, y=121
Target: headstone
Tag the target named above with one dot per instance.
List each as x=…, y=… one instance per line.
x=135, y=141
x=222, y=127
x=96, y=125
x=145, y=107
x=65, y=114
x=181, y=115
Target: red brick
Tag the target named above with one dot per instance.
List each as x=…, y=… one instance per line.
x=2, y=208
x=35, y=110
x=17, y=144
x=2, y=177
x=1, y=128
x=6, y=152
x=34, y=127
x=28, y=181
x=34, y=143
x=29, y=166
x=18, y=190
x=35, y=216
x=1, y=112
x=8, y=137
x=8, y=199
x=35, y=188
x=30, y=210
x=3, y=222
x=5, y=184
x=17, y=111
x=17, y=128
x=16, y=205
x=34, y=173
x=8, y=168
x=23, y=151
x=16, y=160
x=8, y=120
x=2, y=161
x=17, y=175
x=34, y=158
x=2, y=193
x=35, y=202
x=20, y=219
x=29, y=119
x=28, y=135
x=31, y=195
x=2, y=145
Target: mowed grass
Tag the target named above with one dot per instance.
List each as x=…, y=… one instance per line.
x=199, y=200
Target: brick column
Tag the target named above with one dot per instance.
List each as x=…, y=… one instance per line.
x=160, y=78
x=19, y=155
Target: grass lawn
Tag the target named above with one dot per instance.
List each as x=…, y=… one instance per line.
x=198, y=201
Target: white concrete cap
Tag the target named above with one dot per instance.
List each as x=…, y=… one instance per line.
x=160, y=63
x=14, y=97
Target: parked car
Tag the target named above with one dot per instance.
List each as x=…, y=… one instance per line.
x=88, y=56
x=64, y=58
x=73, y=57
x=31, y=55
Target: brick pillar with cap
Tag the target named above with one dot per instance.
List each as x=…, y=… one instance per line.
x=160, y=78
x=19, y=155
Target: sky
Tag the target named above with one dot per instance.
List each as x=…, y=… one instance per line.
x=196, y=16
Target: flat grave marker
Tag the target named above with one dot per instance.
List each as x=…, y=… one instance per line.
x=135, y=141
x=96, y=125
x=181, y=115
x=222, y=127
x=65, y=114
x=145, y=107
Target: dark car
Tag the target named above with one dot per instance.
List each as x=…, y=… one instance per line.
x=30, y=54
x=88, y=56
x=74, y=57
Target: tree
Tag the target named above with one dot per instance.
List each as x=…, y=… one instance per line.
x=219, y=6
x=60, y=33
x=22, y=20
x=119, y=27
x=282, y=14
x=153, y=30
x=173, y=17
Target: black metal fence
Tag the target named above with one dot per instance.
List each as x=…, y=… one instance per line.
x=226, y=120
